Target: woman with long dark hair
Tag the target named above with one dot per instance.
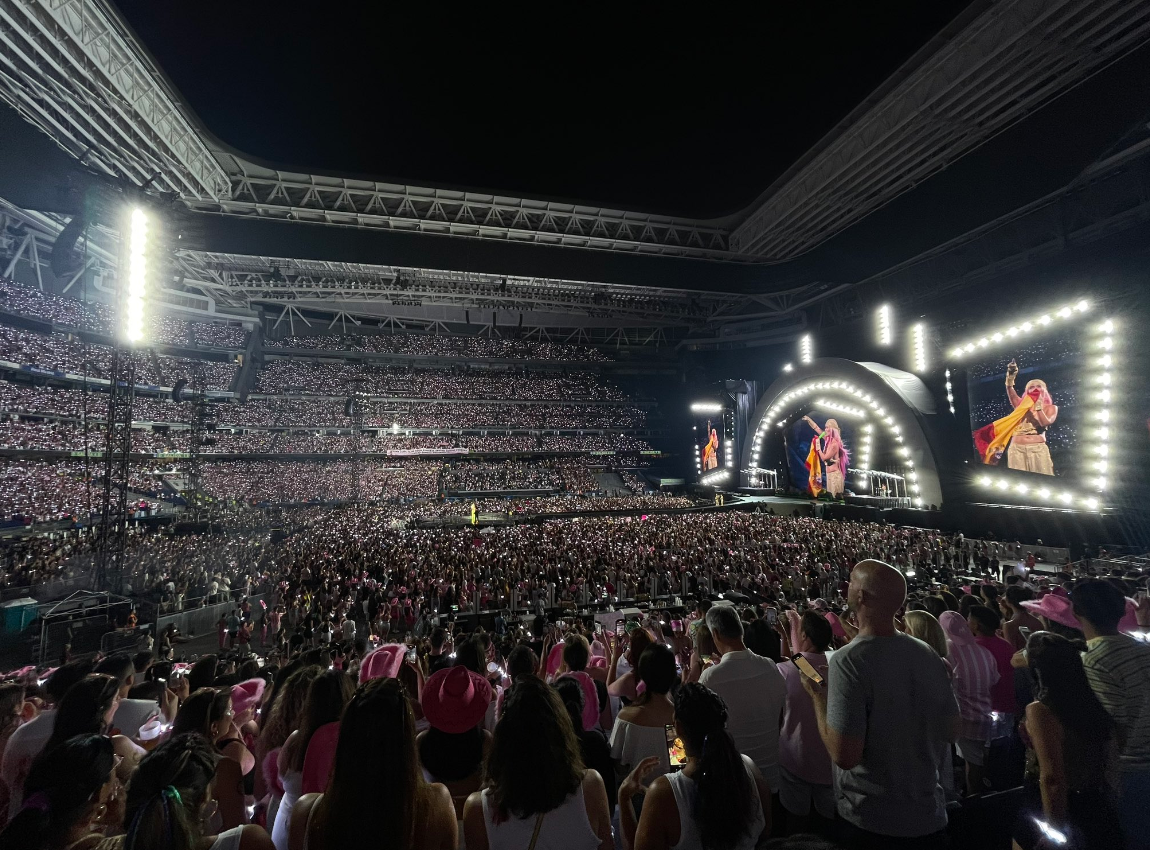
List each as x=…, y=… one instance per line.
x=208, y=713
x=69, y=796
x=718, y=801
x=1071, y=753
x=377, y=788
x=327, y=697
x=537, y=791
x=281, y=718
x=87, y=709
x=170, y=803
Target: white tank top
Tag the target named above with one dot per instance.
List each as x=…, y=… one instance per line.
x=564, y=828
x=685, y=791
x=229, y=840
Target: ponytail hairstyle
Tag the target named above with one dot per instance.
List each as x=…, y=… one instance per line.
x=62, y=787
x=725, y=802
x=83, y=709
x=167, y=793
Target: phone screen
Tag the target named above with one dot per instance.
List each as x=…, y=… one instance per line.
x=619, y=628
x=1025, y=632
x=806, y=668
x=598, y=628
x=411, y=655
x=676, y=752
x=772, y=616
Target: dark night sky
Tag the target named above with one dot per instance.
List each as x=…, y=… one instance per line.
x=687, y=115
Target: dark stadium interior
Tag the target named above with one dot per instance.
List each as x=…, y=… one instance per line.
x=442, y=426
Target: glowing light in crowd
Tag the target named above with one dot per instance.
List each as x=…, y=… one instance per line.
x=806, y=350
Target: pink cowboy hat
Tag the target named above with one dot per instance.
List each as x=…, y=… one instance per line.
x=1054, y=608
x=247, y=695
x=319, y=758
x=382, y=663
x=455, y=700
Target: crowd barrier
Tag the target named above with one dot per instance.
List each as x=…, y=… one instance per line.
x=195, y=622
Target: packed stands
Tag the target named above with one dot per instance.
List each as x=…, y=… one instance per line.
x=445, y=346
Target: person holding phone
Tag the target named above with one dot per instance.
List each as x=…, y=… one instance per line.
x=718, y=799
x=804, y=764
x=885, y=710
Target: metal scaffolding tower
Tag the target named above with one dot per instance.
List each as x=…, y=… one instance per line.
x=354, y=408
x=113, y=529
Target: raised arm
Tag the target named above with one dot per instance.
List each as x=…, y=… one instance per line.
x=811, y=422
x=1011, y=374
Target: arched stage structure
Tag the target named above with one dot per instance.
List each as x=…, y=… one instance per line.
x=892, y=408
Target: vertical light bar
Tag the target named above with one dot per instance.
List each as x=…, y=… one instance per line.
x=918, y=333
x=806, y=350
x=139, y=228
x=1102, y=447
x=885, y=332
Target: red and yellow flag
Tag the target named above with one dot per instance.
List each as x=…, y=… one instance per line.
x=990, y=441
x=814, y=469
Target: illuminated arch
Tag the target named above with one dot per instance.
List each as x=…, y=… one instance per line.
x=895, y=400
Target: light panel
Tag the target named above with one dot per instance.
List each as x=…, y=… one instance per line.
x=883, y=321
x=806, y=350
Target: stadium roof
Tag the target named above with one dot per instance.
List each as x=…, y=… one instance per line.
x=961, y=120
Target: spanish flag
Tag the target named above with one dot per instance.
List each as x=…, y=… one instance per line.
x=814, y=469
x=990, y=441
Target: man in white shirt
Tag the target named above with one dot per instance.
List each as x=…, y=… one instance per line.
x=753, y=689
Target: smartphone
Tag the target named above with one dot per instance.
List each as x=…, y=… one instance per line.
x=772, y=616
x=598, y=628
x=620, y=627
x=1025, y=632
x=411, y=655
x=676, y=752
x=806, y=668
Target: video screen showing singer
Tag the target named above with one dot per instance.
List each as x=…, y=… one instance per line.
x=1021, y=434
x=711, y=449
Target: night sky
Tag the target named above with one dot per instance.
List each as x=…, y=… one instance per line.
x=609, y=105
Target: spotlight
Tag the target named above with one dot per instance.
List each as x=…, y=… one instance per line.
x=141, y=236
x=1082, y=306
x=1107, y=327
x=806, y=350
x=919, y=334
x=885, y=334
x=788, y=367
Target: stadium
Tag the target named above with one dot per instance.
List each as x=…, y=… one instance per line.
x=377, y=382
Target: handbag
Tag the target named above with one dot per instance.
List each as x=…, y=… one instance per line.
x=535, y=834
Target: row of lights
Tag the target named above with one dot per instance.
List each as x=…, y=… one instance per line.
x=918, y=335
x=1044, y=493
x=885, y=331
x=949, y=391
x=864, y=449
x=845, y=409
x=876, y=409
x=138, y=243
x=806, y=350
x=1042, y=321
x=714, y=477
x=1105, y=346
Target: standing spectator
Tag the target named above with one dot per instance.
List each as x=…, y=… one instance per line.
x=1010, y=603
x=592, y=742
x=718, y=800
x=1071, y=753
x=886, y=708
x=376, y=771
x=1118, y=669
x=753, y=689
x=536, y=784
x=804, y=765
x=983, y=621
x=973, y=674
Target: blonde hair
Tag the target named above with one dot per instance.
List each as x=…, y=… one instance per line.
x=924, y=626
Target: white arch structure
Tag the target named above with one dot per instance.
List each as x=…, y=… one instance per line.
x=891, y=402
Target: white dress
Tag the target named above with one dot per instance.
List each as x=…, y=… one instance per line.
x=229, y=839
x=631, y=743
x=293, y=787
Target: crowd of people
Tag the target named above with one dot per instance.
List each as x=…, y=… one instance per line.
x=792, y=685
x=59, y=352
x=445, y=346
x=18, y=299
x=295, y=375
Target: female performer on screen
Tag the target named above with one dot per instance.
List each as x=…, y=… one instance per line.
x=711, y=450
x=833, y=454
x=1022, y=433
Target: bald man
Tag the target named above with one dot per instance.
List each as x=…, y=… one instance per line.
x=885, y=714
